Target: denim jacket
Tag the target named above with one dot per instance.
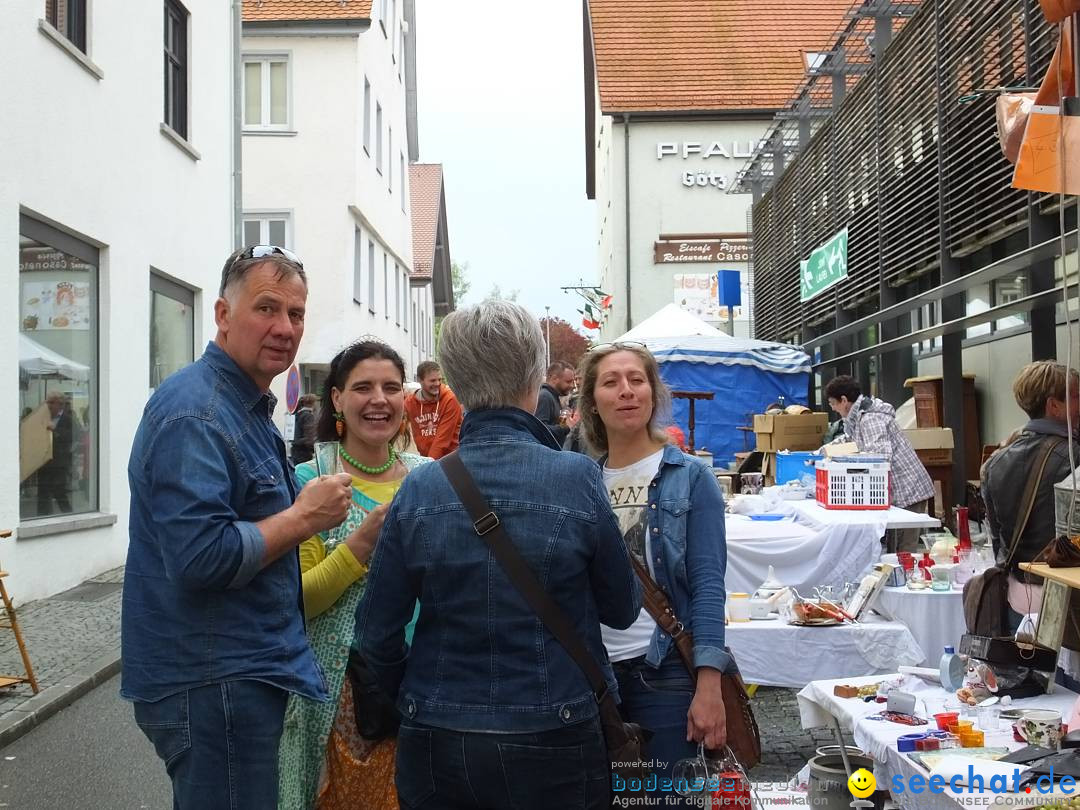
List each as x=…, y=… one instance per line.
x=198, y=605
x=481, y=660
x=686, y=524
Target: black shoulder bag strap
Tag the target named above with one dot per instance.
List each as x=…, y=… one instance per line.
x=487, y=526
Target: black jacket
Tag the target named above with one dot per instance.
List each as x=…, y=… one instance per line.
x=547, y=411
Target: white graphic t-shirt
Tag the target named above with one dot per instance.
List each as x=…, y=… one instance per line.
x=628, y=489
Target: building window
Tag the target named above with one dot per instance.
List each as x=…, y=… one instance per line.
x=172, y=328
x=176, y=67
x=390, y=28
x=58, y=358
x=386, y=286
x=266, y=92
x=382, y=15
x=1005, y=291
x=367, y=116
x=69, y=18
x=389, y=158
x=401, y=175
x=401, y=58
x=267, y=229
x=358, y=267
x=371, y=276
x=416, y=332
x=378, y=137
x=397, y=295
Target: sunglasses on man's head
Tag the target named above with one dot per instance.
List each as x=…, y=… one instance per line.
x=262, y=251
x=618, y=345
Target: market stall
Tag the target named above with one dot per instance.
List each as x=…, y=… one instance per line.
x=819, y=706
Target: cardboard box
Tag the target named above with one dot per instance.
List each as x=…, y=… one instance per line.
x=784, y=431
x=930, y=438
x=935, y=458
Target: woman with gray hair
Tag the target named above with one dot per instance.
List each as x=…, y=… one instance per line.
x=495, y=711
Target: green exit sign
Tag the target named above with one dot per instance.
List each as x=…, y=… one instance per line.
x=826, y=266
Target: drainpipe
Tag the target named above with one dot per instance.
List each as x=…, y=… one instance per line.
x=626, y=176
x=238, y=111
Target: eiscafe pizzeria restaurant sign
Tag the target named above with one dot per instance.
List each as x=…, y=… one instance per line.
x=701, y=251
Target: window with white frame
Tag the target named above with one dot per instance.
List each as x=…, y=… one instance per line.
x=176, y=68
x=382, y=15
x=390, y=159
x=367, y=115
x=390, y=27
x=371, y=276
x=266, y=91
x=358, y=266
x=416, y=332
x=401, y=174
x=386, y=286
x=378, y=137
x=397, y=294
x=267, y=228
x=401, y=60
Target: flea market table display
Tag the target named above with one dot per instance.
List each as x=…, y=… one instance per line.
x=935, y=618
x=904, y=760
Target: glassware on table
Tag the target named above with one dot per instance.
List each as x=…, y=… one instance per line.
x=918, y=578
x=941, y=578
x=328, y=458
x=989, y=717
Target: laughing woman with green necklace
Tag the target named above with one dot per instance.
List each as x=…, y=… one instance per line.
x=323, y=760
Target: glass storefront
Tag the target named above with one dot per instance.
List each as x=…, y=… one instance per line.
x=58, y=370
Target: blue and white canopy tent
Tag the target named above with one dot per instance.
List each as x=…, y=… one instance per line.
x=743, y=375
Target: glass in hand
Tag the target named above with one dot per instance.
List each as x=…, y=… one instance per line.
x=328, y=458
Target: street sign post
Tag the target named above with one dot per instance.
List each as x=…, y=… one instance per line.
x=292, y=389
x=826, y=266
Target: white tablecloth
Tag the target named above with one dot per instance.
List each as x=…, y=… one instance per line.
x=935, y=618
x=765, y=650
x=878, y=738
x=893, y=517
x=802, y=554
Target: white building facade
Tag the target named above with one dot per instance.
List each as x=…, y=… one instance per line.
x=329, y=132
x=116, y=216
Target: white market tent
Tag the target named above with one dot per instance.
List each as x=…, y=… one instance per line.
x=745, y=375
x=36, y=360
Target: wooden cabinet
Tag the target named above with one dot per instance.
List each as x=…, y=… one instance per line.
x=930, y=412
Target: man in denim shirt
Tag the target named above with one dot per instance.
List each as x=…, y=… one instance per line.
x=212, y=631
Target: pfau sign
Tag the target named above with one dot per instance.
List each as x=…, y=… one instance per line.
x=826, y=266
x=703, y=178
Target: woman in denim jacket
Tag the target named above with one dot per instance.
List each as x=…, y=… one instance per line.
x=671, y=512
x=495, y=713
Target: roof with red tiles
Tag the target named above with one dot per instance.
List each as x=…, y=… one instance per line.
x=307, y=10
x=676, y=55
x=425, y=200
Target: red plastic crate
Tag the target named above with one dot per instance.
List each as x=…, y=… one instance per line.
x=851, y=483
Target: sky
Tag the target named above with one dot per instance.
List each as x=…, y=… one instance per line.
x=500, y=104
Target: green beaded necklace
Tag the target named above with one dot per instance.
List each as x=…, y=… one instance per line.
x=364, y=468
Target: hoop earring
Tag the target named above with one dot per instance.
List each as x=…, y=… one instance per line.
x=339, y=423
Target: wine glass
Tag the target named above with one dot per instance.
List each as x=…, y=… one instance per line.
x=328, y=458
x=690, y=777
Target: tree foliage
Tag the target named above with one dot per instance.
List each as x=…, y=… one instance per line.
x=496, y=294
x=567, y=344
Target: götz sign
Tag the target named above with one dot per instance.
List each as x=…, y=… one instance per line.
x=702, y=251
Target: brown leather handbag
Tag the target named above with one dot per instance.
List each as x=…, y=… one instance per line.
x=743, y=736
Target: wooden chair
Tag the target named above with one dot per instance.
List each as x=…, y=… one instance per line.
x=13, y=626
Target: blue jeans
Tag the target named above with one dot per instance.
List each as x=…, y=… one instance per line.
x=439, y=769
x=219, y=744
x=658, y=700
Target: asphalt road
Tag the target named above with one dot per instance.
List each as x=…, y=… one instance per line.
x=90, y=756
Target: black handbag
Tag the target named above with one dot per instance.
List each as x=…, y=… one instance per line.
x=625, y=741
x=376, y=715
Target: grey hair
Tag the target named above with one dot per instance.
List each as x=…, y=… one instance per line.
x=492, y=354
x=236, y=269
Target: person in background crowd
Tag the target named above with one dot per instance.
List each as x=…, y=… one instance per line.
x=323, y=760
x=549, y=409
x=54, y=477
x=495, y=713
x=434, y=413
x=671, y=512
x=1039, y=389
x=871, y=425
x=303, y=445
x=212, y=637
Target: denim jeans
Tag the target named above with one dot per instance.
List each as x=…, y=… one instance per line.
x=439, y=769
x=658, y=700
x=219, y=744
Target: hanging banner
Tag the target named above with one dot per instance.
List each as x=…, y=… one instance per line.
x=826, y=266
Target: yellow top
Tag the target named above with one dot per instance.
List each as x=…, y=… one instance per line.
x=326, y=576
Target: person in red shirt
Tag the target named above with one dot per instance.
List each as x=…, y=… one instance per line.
x=434, y=413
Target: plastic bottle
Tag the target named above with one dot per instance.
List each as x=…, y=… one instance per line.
x=951, y=669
